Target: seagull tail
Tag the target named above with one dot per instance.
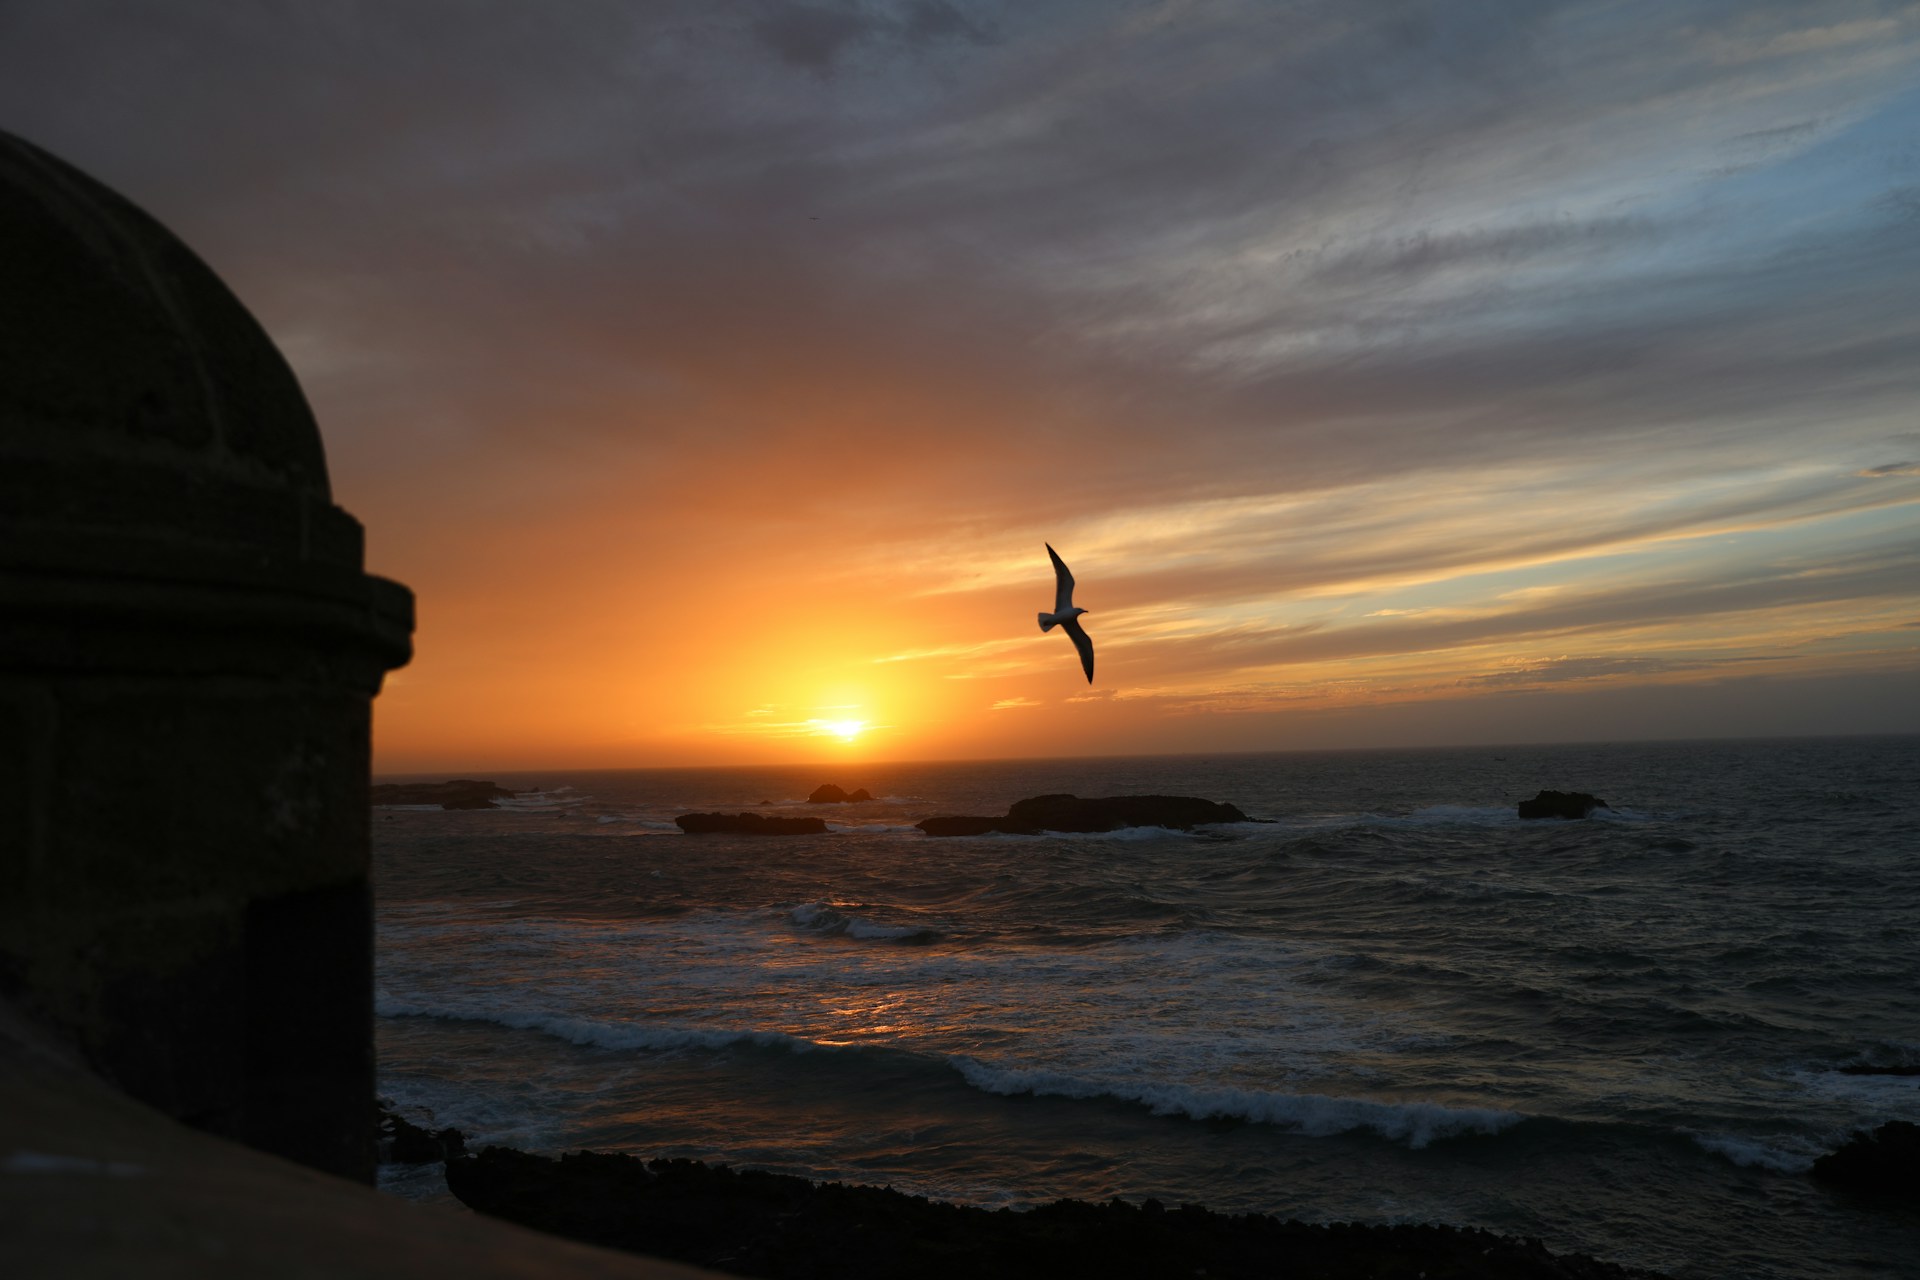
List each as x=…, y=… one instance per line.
x=1048, y=622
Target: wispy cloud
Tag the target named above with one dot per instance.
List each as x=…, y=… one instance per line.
x=1343, y=356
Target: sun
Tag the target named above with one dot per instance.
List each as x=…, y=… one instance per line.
x=845, y=730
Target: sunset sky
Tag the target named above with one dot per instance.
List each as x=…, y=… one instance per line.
x=1389, y=374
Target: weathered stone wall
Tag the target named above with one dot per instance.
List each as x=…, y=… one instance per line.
x=188, y=650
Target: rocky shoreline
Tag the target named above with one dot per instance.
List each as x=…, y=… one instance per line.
x=752, y=1223
x=782, y=1227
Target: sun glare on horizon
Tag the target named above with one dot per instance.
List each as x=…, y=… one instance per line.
x=845, y=730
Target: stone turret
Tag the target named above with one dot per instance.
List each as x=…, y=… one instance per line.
x=188, y=652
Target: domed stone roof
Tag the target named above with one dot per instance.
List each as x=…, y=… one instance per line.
x=150, y=431
x=115, y=337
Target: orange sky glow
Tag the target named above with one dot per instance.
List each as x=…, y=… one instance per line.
x=715, y=375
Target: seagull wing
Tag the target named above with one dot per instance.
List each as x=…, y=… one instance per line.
x=1062, y=585
x=1081, y=641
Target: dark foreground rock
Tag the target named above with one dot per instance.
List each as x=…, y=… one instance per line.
x=401, y=1141
x=774, y=1225
x=1561, y=804
x=748, y=824
x=461, y=793
x=1070, y=813
x=827, y=793
x=1884, y=1162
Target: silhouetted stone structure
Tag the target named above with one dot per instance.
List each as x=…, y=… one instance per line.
x=188, y=650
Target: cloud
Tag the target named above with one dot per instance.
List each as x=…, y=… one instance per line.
x=814, y=37
x=1324, y=335
x=1572, y=669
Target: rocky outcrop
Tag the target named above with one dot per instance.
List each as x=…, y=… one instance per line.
x=751, y=1223
x=461, y=793
x=1561, y=804
x=403, y=1142
x=1884, y=1162
x=1070, y=813
x=827, y=793
x=748, y=824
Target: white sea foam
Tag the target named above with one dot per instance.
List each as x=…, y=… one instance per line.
x=649, y=826
x=1130, y=833
x=541, y=801
x=1883, y=1096
x=1461, y=813
x=1751, y=1153
x=1316, y=1115
x=823, y=918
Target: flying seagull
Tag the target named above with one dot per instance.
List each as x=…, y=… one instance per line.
x=1066, y=614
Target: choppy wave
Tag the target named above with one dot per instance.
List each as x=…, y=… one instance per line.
x=1751, y=1153
x=1316, y=1115
x=552, y=801
x=824, y=918
x=1457, y=813
x=1648, y=1014
x=593, y=1031
x=1417, y=1123
x=652, y=826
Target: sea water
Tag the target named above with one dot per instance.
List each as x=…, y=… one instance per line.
x=1391, y=1001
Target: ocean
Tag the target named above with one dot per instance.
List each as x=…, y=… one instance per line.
x=1393, y=1002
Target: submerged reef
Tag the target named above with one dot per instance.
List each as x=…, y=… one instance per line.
x=1070, y=813
x=783, y=1227
x=401, y=1141
x=748, y=824
x=1561, y=804
x=461, y=793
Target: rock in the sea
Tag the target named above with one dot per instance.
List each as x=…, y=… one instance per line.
x=461, y=793
x=827, y=793
x=1561, y=804
x=752, y=1223
x=748, y=824
x=403, y=1142
x=1070, y=813
x=1883, y=1162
